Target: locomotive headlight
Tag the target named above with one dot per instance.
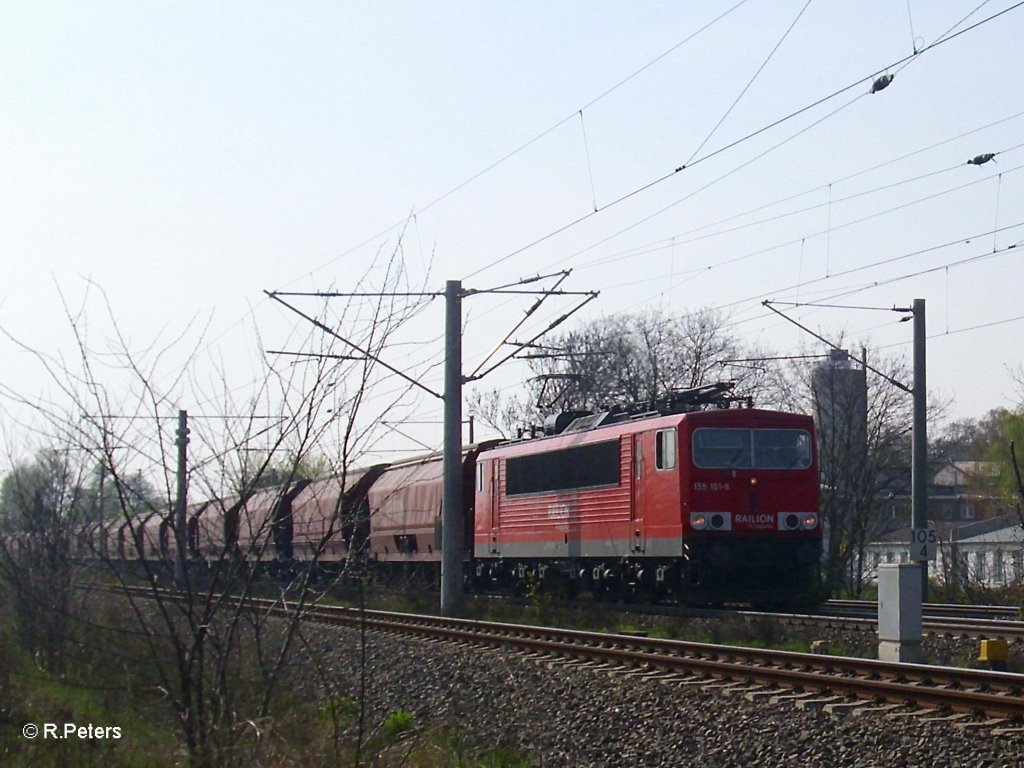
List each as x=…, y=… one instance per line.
x=792, y=521
x=711, y=521
x=809, y=522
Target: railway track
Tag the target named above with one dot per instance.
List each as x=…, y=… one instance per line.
x=832, y=683
x=988, y=621
x=931, y=610
x=949, y=626
x=966, y=621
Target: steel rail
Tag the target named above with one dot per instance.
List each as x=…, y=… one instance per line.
x=994, y=694
x=989, y=693
x=936, y=625
x=963, y=621
x=930, y=610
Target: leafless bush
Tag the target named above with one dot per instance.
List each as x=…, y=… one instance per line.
x=214, y=663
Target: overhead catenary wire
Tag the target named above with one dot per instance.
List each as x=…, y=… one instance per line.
x=823, y=305
x=890, y=260
x=541, y=135
x=750, y=82
x=845, y=292
x=969, y=329
x=931, y=270
x=910, y=60
x=590, y=167
x=972, y=259
x=913, y=37
x=416, y=212
x=767, y=127
x=768, y=249
x=509, y=289
x=674, y=265
x=832, y=345
x=995, y=226
x=667, y=52
x=873, y=284
x=879, y=283
x=677, y=239
x=849, y=177
x=703, y=188
x=530, y=142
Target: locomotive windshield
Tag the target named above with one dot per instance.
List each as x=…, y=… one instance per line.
x=751, y=448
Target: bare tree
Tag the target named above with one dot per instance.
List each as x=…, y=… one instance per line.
x=215, y=663
x=43, y=506
x=863, y=449
x=1020, y=486
x=507, y=415
x=626, y=358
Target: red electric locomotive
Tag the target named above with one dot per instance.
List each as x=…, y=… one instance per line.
x=703, y=507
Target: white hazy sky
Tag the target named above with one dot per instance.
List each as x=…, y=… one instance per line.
x=187, y=156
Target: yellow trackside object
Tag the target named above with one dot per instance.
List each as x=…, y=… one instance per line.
x=993, y=651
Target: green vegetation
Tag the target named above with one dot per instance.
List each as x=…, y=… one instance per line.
x=753, y=633
x=442, y=747
x=404, y=598
x=503, y=758
x=977, y=595
x=39, y=697
x=105, y=679
x=397, y=723
x=341, y=709
x=1008, y=427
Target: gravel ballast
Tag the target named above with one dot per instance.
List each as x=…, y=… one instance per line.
x=565, y=715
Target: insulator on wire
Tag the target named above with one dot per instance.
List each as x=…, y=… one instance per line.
x=981, y=159
x=881, y=83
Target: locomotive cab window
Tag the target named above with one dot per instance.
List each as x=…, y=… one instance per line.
x=665, y=449
x=782, y=449
x=722, y=448
x=751, y=448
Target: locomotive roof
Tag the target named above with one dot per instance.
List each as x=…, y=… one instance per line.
x=733, y=417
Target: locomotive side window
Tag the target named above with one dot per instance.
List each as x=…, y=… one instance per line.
x=665, y=449
x=479, y=476
x=585, y=466
x=751, y=448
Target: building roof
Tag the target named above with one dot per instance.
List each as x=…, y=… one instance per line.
x=1001, y=528
x=961, y=473
x=981, y=528
x=1005, y=528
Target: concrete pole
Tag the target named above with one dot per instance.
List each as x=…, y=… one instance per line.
x=919, y=455
x=451, y=505
x=180, y=531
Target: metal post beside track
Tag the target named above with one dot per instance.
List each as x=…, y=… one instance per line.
x=451, y=504
x=180, y=577
x=919, y=455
